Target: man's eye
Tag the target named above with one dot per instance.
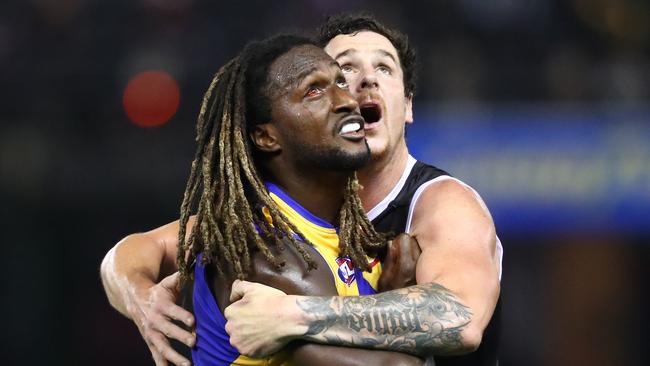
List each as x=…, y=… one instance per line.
x=346, y=68
x=384, y=69
x=313, y=91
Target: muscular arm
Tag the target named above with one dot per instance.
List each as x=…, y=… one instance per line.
x=444, y=314
x=294, y=279
x=458, y=241
x=131, y=272
x=416, y=319
x=138, y=262
x=457, y=276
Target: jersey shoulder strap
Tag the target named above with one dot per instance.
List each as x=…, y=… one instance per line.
x=393, y=218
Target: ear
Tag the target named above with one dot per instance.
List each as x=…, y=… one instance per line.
x=266, y=138
x=408, y=109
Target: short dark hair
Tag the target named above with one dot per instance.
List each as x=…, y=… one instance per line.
x=346, y=23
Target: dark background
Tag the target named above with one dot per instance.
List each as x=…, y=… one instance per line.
x=76, y=175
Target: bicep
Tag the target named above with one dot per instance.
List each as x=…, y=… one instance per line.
x=458, y=241
x=165, y=238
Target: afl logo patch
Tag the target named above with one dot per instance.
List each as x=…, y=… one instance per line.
x=346, y=270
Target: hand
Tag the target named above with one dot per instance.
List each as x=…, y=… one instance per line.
x=257, y=319
x=152, y=311
x=399, y=265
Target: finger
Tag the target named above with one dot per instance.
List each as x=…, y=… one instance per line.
x=394, y=246
x=412, y=248
x=403, y=239
x=239, y=289
x=392, y=254
x=178, y=313
x=171, y=330
x=407, y=246
x=165, y=350
x=402, y=236
x=170, y=282
x=158, y=359
x=227, y=312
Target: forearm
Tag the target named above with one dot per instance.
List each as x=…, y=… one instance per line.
x=132, y=265
x=311, y=354
x=422, y=320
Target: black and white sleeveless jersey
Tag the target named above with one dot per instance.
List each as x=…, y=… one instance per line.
x=393, y=214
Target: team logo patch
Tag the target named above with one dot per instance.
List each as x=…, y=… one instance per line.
x=346, y=270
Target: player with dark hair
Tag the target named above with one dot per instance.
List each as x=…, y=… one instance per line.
x=274, y=190
x=458, y=272
x=353, y=23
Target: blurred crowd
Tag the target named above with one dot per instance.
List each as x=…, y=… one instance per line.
x=76, y=175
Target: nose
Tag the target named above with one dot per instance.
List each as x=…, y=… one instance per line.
x=343, y=101
x=368, y=81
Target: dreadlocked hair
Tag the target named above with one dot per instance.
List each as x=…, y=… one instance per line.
x=234, y=211
x=357, y=236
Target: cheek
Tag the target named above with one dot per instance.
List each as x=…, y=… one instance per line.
x=394, y=86
x=396, y=100
x=353, y=79
x=316, y=110
x=312, y=120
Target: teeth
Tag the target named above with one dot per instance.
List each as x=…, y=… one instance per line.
x=350, y=127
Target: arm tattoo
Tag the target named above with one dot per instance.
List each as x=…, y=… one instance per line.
x=418, y=319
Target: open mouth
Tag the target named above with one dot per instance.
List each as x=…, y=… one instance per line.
x=371, y=112
x=352, y=128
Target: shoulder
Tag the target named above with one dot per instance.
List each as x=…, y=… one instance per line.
x=294, y=277
x=445, y=192
x=446, y=203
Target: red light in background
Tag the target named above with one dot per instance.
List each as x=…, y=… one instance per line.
x=151, y=98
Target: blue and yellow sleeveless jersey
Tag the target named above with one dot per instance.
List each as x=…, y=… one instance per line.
x=212, y=342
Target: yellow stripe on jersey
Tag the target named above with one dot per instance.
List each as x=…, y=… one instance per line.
x=326, y=241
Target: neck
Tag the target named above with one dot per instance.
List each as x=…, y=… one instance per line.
x=380, y=176
x=320, y=192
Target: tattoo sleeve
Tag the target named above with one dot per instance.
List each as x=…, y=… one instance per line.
x=422, y=319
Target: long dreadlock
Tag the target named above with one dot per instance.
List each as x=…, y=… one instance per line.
x=225, y=188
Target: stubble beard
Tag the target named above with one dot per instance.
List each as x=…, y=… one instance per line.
x=335, y=158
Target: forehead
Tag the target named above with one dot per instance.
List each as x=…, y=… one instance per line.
x=363, y=42
x=296, y=63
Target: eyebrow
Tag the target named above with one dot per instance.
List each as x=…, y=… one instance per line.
x=386, y=53
x=353, y=50
x=345, y=53
x=300, y=77
x=303, y=74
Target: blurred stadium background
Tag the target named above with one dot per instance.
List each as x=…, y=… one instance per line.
x=541, y=105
